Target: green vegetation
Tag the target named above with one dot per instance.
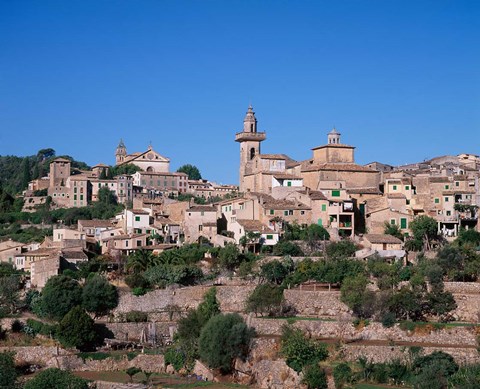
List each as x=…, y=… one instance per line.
x=222, y=339
x=266, y=299
x=77, y=329
x=314, y=377
x=190, y=170
x=56, y=378
x=8, y=374
x=59, y=296
x=98, y=295
x=299, y=351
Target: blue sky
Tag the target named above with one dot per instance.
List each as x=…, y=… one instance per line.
x=399, y=79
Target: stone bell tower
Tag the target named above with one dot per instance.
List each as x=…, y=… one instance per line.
x=120, y=153
x=249, y=140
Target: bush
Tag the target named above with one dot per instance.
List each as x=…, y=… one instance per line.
x=139, y=291
x=341, y=250
x=300, y=351
x=287, y=248
x=59, y=296
x=136, y=317
x=77, y=329
x=136, y=280
x=342, y=374
x=224, y=338
x=56, y=378
x=315, y=377
x=388, y=319
x=175, y=357
x=265, y=299
x=98, y=295
x=35, y=327
x=17, y=326
x=8, y=374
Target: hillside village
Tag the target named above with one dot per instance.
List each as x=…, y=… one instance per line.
x=366, y=266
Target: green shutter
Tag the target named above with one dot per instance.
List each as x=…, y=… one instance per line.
x=394, y=187
x=437, y=201
x=289, y=183
x=324, y=207
x=320, y=223
x=403, y=223
x=269, y=236
x=335, y=193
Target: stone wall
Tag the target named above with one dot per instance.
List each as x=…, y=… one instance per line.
x=380, y=354
x=345, y=331
x=463, y=287
x=134, y=331
x=316, y=303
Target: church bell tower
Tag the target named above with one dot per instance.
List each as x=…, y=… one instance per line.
x=249, y=140
x=120, y=153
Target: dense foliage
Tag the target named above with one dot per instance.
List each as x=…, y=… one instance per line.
x=98, y=295
x=56, y=378
x=190, y=170
x=77, y=329
x=222, y=339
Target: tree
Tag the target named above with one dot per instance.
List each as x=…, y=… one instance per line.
x=432, y=370
x=8, y=374
x=469, y=237
x=315, y=233
x=341, y=250
x=106, y=196
x=141, y=260
x=77, y=329
x=131, y=371
x=224, y=338
x=300, y=351
x=315, y=377
x=392, y=229
x=9, y=293
x=209, y=307
x=354, y=293
x=276, y=271
x=229, y=256
x=26, y=177
x=265, y=299
x=424, y=229
x=98, y=295
x=190, y=170
x=56, y=378
x=287, y=248
x=59, y=296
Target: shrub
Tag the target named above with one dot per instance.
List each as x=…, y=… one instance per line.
x=300, y=351
x=139, y=291
x=98, y=295
x=136, y=317
x=77, y=329
x=59, y=296
x=56, y=378
x=265, y=299
x=388, y=319
x=8, y=374
x=287, y=248
x=175, y=357
x=315, y=377
x=342, y=374
x=224, y=338
x=17, y=326
x=136, y=280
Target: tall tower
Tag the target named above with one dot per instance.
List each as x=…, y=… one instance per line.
x=249, y=140
x=120, y=153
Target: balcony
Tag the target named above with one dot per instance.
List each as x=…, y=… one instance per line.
x=250, y=136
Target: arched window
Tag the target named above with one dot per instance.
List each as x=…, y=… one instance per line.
x=149, y=169
x=252, y=152
x=251, y=127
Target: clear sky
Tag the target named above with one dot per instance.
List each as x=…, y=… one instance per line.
x=399, y=79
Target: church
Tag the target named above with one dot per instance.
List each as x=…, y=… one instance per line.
x=148, y=161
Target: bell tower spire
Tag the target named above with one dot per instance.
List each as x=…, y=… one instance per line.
x=120, y=153
x=249, y=140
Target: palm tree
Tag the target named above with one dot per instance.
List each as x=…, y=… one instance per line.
x=141, y=260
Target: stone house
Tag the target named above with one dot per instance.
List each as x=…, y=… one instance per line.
x=164, y=183
x=123, y=244
x=9, y=249
x=200, y=221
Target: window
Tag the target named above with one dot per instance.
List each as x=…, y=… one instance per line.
x=457, y=183
x=446, y=186
x=269, y=236
x=74, y=197
x=407, y=187
x=394, y=187
x=139, y=243
x=272, y=212
x=446, y=199
x=437, y=200
x=200, y=228
x=392, y=222
x=289, y=183
x=137, y=218
x=449, y=213
x=285, y=213
x=403, y=223
x=302, y=212
x=75, y=190
x=290, y=212
x=126, y=243
x=324, y=207
x=335, y=193
x=319, y=222
x=81, y=197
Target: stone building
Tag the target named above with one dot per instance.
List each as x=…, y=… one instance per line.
x=148, y=161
